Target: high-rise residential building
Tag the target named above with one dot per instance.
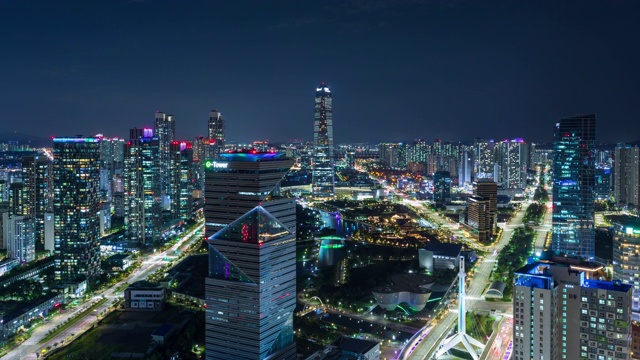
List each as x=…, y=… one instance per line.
x=465, y=166
x=20, y=236
x=250, y=290
x=182, y=179
x=216, y=135
x=626, y=172
x=441, y=187
x=142, y=187
x=626, y=262
x=483, y=158
x=37, y=193
x=16, y=198
x=560, y=314
x=165, y=132
x=573, y=186
x=489, y=190
x=323, y=182
x=512, y=158
x=76, y=207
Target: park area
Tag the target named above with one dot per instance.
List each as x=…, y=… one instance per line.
x=125, y=332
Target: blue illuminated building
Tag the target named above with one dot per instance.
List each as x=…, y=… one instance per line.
x=250, y=289
x=573, y=186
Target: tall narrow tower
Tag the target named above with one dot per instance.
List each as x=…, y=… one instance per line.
x=322, y=185
x=76, y=206
x=165, y=131
x=216, y=134
x=461, y=336
x=573, y=186
x=250, y=289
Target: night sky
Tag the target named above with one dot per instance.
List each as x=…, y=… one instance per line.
x=399, y=70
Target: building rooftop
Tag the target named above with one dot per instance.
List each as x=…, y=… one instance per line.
x=163, y=330
x=252, y=156
x=414, y=283
x=625, y=220
x=451, y=249
x=357, y=346
x=607, y=285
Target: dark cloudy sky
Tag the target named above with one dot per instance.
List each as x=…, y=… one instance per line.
x=398, y=69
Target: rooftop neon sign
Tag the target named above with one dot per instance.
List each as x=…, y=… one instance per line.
x=76, y=140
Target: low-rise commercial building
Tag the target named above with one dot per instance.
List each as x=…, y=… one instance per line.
x=144, y=296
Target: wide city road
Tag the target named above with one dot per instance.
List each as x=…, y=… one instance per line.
x=31, y=349
x=425, y=345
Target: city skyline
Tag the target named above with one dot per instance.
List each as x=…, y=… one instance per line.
x=416, y=60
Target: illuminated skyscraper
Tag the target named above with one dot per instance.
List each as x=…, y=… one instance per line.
x=627, y=176
x=250, y=290
x=216, y=134
x=142, y=188
x=182, y=179
x=37, y=193
x=484, y=159
x=165, y=132
x=322, y=185
x=76, y=206
x=573, y=186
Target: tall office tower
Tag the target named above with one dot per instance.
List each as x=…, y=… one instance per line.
x=19, y=234
x=216, y=135
x=465, y=166
x=560, y=314
x=488, y=189
x=441, y=187
x=76, y=207
x=479, y=217
x=626, y=172
x=37, y=192
x=626, y=263
x=250, y=290
x=388, y=154
x=512, y=158
x=142, y=187
x=165, y=132
x=182, y=179
x=573, y=185
x=322, y=182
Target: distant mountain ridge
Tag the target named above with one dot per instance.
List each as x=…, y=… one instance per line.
x=32, y=140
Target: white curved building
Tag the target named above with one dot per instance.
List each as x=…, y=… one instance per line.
x=411, y=289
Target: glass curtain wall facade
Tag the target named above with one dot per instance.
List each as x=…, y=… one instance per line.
x=216, y=134
x=182, y=179
x=37, y=193
x=323, y=182
x=165, y=131
x=142, y=188
x=250, y=290
x=76, y=207
x=573, y=186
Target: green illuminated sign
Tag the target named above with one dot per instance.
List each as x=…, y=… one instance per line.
x=210, y=164
x=632, y=231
